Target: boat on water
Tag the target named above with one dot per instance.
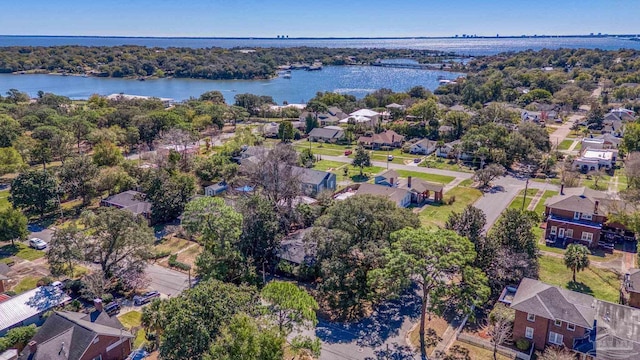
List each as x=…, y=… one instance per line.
x=287, y=75
x=315, y=66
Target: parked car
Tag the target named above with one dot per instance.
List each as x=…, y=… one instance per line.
x=348, y=152
x=37, y=244
x=112, y=308
x=390, y=158
x=416, y=160
x=145, y=298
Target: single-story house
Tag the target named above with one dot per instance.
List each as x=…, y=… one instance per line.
x=215, y=189
x=420, y=190
x=296, y=251
x=388, y=138
x=604, y=141
x=363, y=117
x=29, y=307
x=448, y=151
x=595, y=159
x=620, y=114
x=613, y=127
x=424, y=147
x=314, y=182
x=73, y=335
x=270, y=130
x=330, y=135
x=183, y=150
x=387, y=178
x=132, y=201
x=330, y=117
x=400, y=197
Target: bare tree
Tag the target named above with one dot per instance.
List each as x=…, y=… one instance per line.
x=556, y=353
x=275, y=171
x=632, y=170
x=179, y=140
x=500, y=332
x=597, y=175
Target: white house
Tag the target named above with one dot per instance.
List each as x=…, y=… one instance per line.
x=594, y=159
x=424, y=147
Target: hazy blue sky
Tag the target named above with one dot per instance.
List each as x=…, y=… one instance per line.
x=268, y=18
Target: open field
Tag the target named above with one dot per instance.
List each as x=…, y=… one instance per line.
x=437, y=215
x=327, y=165
x=601, y=283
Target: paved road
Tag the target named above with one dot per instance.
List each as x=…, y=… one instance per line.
x=563, y=130
x=166, y=281
x=382, y=164
x=504, y=191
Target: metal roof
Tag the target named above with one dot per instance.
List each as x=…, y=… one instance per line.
x=31, y=303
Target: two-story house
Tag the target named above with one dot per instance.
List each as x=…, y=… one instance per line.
x=594, y=329
x=581, y=215
x=631, y=289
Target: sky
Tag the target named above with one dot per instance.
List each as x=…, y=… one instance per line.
x=318, y=18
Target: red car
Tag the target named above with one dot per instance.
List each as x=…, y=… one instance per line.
x=348, y=152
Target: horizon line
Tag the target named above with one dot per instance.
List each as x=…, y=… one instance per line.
x=330, y=37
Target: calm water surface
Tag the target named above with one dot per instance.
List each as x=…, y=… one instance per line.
x=303, y=85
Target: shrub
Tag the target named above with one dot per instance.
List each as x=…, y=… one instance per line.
x=523, y=344
x=159, y=254
x=45, y=281
x=107, y=298
x=173, y=262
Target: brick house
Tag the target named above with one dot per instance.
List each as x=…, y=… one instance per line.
x=631, y=289
x=594, y=329
x=72, y=335
x=581, y=215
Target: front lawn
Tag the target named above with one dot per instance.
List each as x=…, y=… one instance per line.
x=132, y=322
x=327, y=165
x=540, y=206
x=565, y=144
x=27, y=283
x=478, y=353
x=437, y=215
x=601, y=283
x=172, y=245
x=20, y=250
x=442, y=179
x=4, y=200
x=433, y=161
x=437, y=324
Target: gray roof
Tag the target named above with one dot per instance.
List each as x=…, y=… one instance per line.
x=33, y=302
x=310, y=176
x=576, y=199
x=4, y=269
x=426, y=143
x=394, y=194
x=551, y=302
x=420, y=186
x=295, y=250
x=130, y=200
x=633, y=282
x=326, y=133
x=67, y=335
x=389, y=174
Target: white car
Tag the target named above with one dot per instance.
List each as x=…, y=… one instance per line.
x=38, y=244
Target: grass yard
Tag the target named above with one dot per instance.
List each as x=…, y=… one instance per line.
x=601, y=283
x=189, y=256
x=436, y=162
x=437, y=215
x=132, y=321
x=565, y=144
x=27, y=283
x=172, y=245
x=20, y=250
x=353, y=173
x=442, y=179
x=540, y=206
x=478, y=353
x=516, y=203
x=326, y=165
x=438, y=324
x=4, y=200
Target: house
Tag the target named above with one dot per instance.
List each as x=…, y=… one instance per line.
x=314, y=182
x=604, y=141
x=388, y=138
x=119, y=97
x=452, y=149
x=4, y=277
x=394, y=106
x=538, y=117
x=184, y=150
x=400, y=197
x=420, y=190
x=294, y=250
x=424, y=147
x=594, y=159
x=581, y=215
x=614, y=127
x=594, y=329
x=29, y=307
x=620, y=114
x=329, y=135
x=270, y=130
x=78, y=336
x=364, y=117
x=631, y=289
x=11, y=354
x=132, y=201
x=331, y=117
x=215, y=189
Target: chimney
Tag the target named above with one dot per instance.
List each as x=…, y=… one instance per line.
x=33, y=346
x=562, y=188
x=409, y=182
x=97, y=303
x=595, y=207
x=392, y=182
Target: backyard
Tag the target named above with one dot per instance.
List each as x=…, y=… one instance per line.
x=437, y=215
x=132, y=322
x=600, y=283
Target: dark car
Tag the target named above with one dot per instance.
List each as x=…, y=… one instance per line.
x=417, y=160
x=112, y=308
x=145, y=298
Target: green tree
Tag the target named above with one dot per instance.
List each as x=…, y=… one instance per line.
x=65, y=250
x=153, y=318
x=286, y=131
x=486, y=175
x=10, y=160
x=219, y=227
x=53, y=142
x=13, y=224
x=168, y=194
x=631, y=138
x=10, y=130
x=35, y=192
x=310, y=123
x=350, y=238
x=361, y=159
x=214, y=96
x=441, y=262
x=576, y=258
x=191, y=321
x=289, y=306
x=215, y=168
x=306, y=158
x=426, y=110
x=261, y=230
x=17, y=337
x=243, y=339
x=78, y=178
x=80, y=127
x=107, y=153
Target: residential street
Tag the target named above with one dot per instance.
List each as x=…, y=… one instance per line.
x=166, y=281
x=563, y=130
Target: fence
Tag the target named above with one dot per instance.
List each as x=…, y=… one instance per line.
x=472, y=340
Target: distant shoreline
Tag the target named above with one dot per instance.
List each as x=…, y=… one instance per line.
x=623, y=36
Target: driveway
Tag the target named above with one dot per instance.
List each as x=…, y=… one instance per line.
x=166, y=281
x=41, y=233
x=556, y=137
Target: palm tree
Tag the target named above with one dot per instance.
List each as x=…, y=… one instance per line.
x=576, y=258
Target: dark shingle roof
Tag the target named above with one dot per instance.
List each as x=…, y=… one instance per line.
x=326, y=133
x=310, y=176
x=130, y=200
